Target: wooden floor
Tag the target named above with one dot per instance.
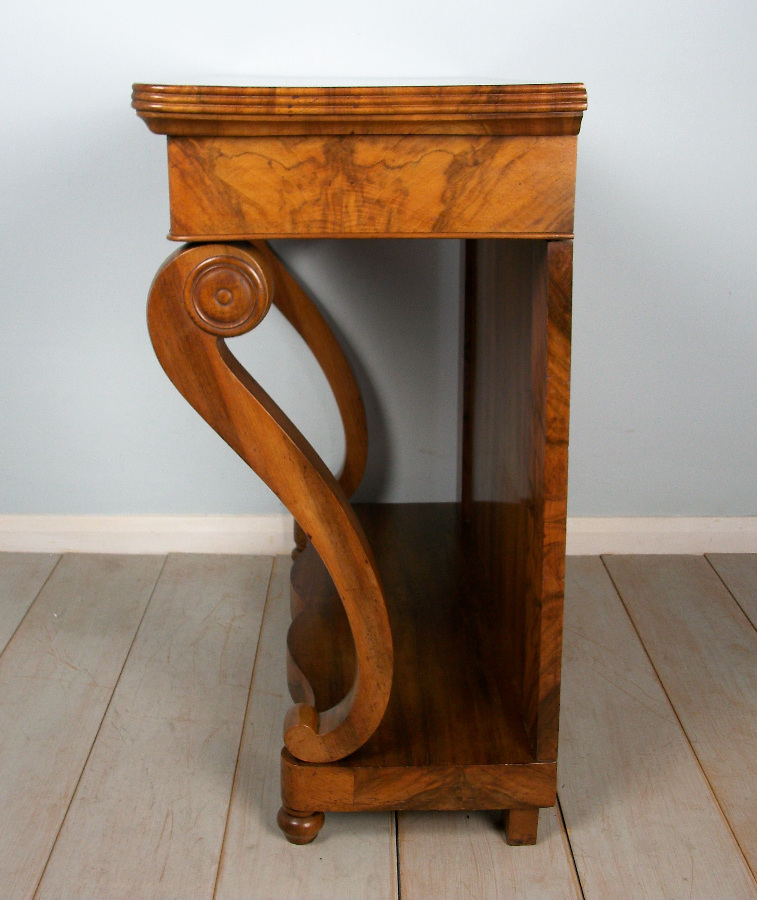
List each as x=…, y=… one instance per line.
x=141, y=703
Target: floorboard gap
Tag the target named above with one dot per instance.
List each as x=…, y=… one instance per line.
x=564, y=825
x=725, y=585
x=678, y=718
x=99, y=727
x=244, y=722
x=28, y=609
x=397, y=852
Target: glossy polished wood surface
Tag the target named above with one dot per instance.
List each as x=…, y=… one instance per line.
x=545, y=109
x=370, y=186
x=424, y=653
x=201, y=294
x=451, y=704
x=251, y=163
x=452, y=736
x=474, y=592
x=515, y=458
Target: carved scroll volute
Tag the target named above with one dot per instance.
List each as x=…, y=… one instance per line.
x=202, y=294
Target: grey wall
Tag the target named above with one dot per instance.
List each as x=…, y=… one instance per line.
x=665, y=326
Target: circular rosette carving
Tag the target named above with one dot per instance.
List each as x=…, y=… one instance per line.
x=228, y=294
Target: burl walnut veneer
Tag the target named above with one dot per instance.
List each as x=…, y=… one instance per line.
x=424, y=651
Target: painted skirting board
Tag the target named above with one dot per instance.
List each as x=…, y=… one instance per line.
x=263, y=535
x=272, y=534
x=729, y=534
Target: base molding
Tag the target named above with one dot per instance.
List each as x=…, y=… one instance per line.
x=261, y=535
x=655, y=535
x=272, y=534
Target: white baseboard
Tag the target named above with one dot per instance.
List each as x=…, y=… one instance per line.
x=262, y=535
x=273, y=534
x=729, y=534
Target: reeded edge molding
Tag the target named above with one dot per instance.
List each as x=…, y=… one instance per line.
x=443, y=102
x=197, y=109
x=325, y=235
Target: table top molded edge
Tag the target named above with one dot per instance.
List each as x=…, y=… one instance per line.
x=542, y=109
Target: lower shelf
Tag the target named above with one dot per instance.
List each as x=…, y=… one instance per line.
x=452, y=736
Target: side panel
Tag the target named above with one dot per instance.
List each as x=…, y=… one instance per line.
x=515, y=440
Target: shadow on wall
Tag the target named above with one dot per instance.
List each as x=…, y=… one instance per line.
x=394, y=306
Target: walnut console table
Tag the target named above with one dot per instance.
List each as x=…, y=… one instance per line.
x=424, y=651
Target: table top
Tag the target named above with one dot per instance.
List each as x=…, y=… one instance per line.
x=196, y=110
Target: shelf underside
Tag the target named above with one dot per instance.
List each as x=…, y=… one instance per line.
x=452, y=736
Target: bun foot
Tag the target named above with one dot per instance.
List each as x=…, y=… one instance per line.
x=520, y=826
x=299, y=827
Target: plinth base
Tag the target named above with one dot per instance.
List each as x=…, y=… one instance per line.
x=452, y=736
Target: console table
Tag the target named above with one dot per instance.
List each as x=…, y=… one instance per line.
x=424, y=651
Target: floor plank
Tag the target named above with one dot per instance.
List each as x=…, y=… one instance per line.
x=148, y=816
x=739, y=572
x=705, y=652
x=454, y=855
x=22, y=576
x=352, y=857
x=57, y=675
x=641, y=817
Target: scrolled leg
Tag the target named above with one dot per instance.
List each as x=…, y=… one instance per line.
x=202, y=295
x=299, y=827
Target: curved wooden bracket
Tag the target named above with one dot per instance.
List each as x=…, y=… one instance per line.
x=202, y=294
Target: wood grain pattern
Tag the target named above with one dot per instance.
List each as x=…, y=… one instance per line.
x=739, y=572
x=506, y=277
x=451, y=109
x=21, y=578
x=56, y=678
x=450, y=704
x=521, y=826
x=299, y=827
x=373, y=186
x=157, y=784
x=201, y=367
x=705, y=651
x=628, y=778
x=517, y=381
x=356, y=787
x=544, y=617
x=452, y=736
x=353, y=857
x=452, y=855
x=490, y=163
